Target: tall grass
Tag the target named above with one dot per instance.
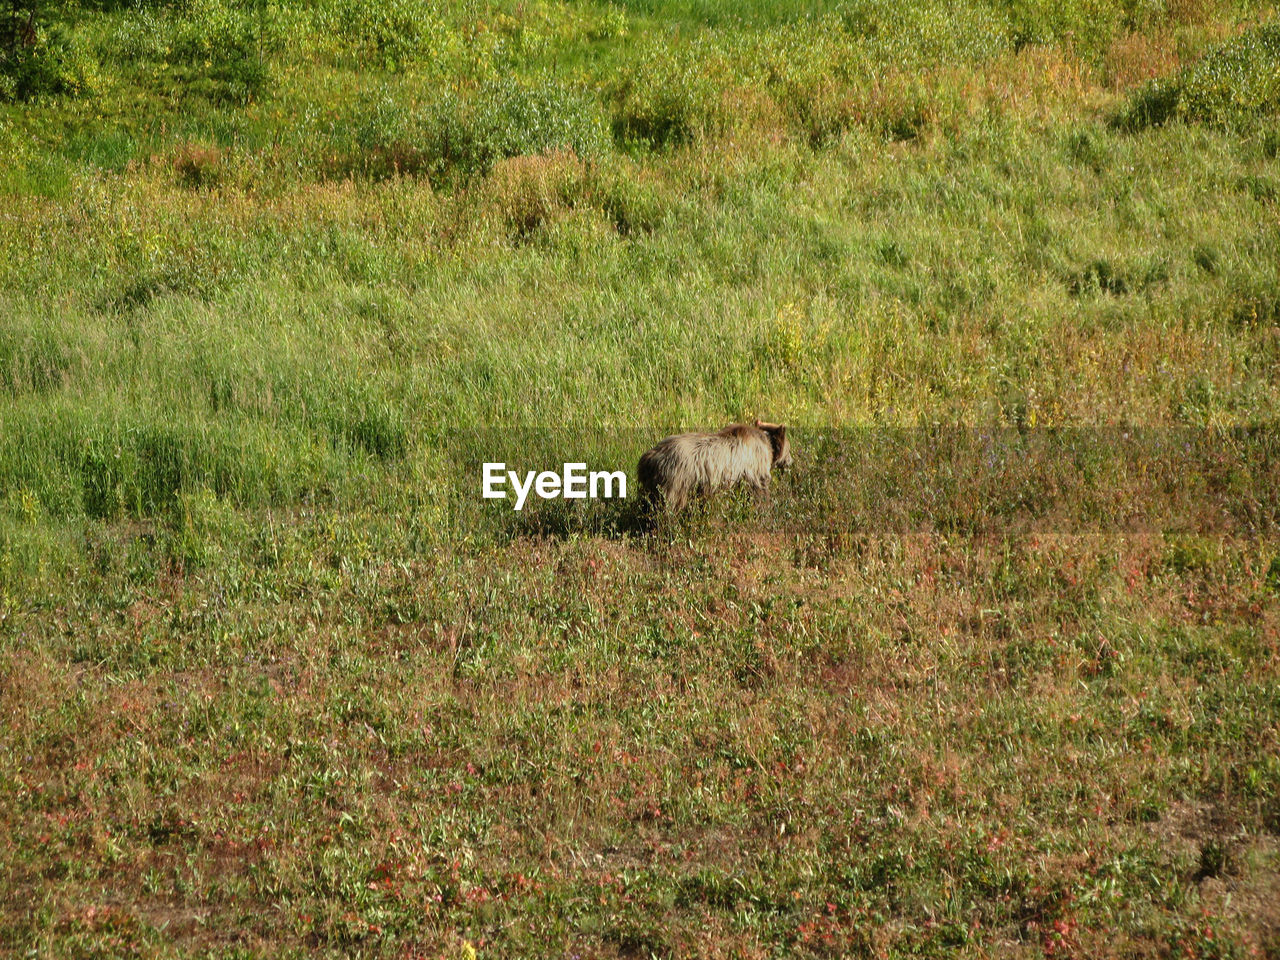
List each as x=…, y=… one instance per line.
x=276, y=283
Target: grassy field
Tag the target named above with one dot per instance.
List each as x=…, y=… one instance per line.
x=994, y=673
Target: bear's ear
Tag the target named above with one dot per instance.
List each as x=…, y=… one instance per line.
x=758, y=421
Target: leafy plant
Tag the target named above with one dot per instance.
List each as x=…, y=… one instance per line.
x=467, y=135
x=397, y=33
x=213, y=50
x=1233, y=85
x=38, y=57
x=513, y=118
x=667, y=97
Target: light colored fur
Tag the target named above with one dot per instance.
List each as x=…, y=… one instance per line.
x=691, y=464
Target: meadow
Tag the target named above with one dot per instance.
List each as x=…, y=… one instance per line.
x=995, y=672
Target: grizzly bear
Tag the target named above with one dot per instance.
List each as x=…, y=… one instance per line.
x=690, y=464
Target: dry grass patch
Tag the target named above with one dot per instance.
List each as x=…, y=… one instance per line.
x=198, y=166
x=1135, y=58
x=526, y=193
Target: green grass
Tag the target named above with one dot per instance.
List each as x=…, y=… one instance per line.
x=993, y=673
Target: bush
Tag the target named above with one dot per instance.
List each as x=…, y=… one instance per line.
x=925, y=32
x=397, y=33
x=221, y=47
x=212, y=50
x=1088, y=25
x=41, y=59
x=1233, y=85
x=667, y=98
x=509, y=118
x=1236, y=82
x=387, y=138
x=513, y=119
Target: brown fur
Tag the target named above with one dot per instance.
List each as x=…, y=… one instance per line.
x=691, y=464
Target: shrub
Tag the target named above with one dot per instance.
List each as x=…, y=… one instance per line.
x=1232, y=86
x=397, y=32
x=389, y=139
x=1236, y=82
x=631, y=204
x=1088, y=25
x=39, y=58
x=513, y=119
x=667, y=98
x=926, y=32
x=509, y=118
x=212, y=50
x=222, y=49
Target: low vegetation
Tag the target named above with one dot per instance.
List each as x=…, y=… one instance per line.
x=994, y=671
